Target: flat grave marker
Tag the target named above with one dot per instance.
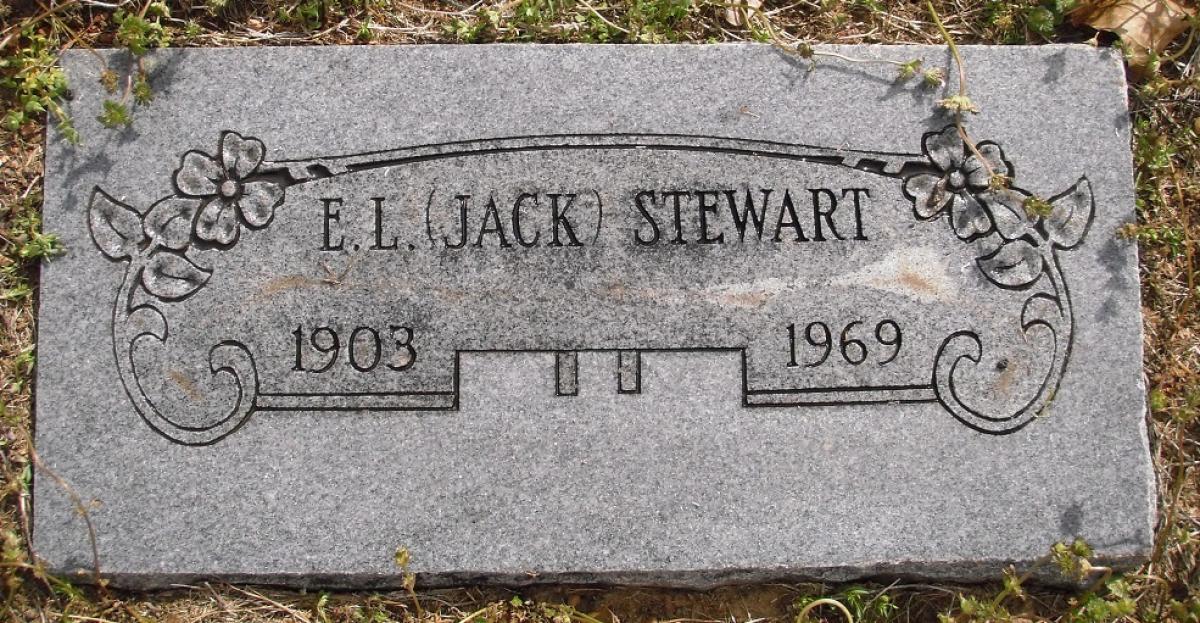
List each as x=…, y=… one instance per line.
x=665, y=314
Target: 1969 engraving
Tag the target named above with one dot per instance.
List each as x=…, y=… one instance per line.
x=232, y=197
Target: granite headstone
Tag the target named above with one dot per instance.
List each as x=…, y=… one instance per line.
x=665, y=314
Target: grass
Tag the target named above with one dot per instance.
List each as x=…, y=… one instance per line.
x=1166, y=148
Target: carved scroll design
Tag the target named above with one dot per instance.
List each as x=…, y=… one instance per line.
x=217, y=196
x=214, y=197
x=1018, y=248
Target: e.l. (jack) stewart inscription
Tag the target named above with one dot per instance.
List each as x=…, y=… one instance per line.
x=677, y=315
x=415, y=209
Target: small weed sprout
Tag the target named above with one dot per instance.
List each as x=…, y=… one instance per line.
x=1105, y=599
x=909, y=69
x=138, y=33
x=141, y=32
x=763, y=30
x=42, y=246
x=1172, y=239
x=31, y=243
x=36, y=84
x=110, y=81
x=1035, y=206
x=364, y=31
x=141, y=89
x=1072, y=559
x=402, y=559
x=933, y=78
x=115, y=115
x=958, y=104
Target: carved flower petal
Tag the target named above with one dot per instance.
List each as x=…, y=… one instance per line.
x=945, y=148
x=1007, y=207
x=928, y=194
x=258, y=202
x=198, y=175
x=218, y=222
x=240, y=155
x=968, y=218
x=977, y=174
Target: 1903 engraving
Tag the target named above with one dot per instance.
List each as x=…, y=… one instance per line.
x=226, y=199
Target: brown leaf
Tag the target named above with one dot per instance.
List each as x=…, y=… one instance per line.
x=1144, y=25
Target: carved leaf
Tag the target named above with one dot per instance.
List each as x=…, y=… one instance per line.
x=116, y=227
x=171, y=276
x=1070, y=215
x=1015, y=264
x=169, y=222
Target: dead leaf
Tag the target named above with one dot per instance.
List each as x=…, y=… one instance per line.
x=1144, y=25
x=735, y=14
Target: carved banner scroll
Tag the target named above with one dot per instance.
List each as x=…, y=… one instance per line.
x=838, y=275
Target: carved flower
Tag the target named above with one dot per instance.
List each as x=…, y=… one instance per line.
x=961, y=185
x=221, y=181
